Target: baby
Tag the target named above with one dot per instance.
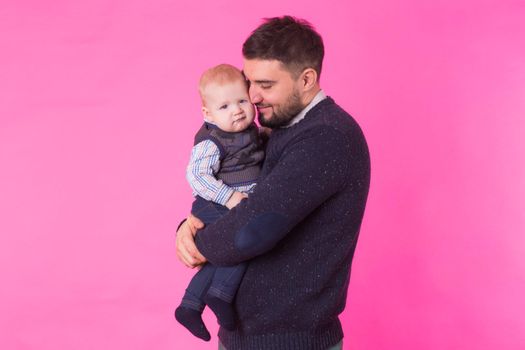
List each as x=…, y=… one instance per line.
x=225, y=162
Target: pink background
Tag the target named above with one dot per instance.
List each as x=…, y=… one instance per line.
x=98, y=107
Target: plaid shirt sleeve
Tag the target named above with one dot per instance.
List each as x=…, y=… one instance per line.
x=200, y=173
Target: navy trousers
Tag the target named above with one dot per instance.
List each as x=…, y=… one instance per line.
x=221, y=282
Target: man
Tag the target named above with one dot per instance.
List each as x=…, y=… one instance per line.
x=299, y=228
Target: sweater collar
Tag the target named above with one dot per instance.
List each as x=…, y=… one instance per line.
x=317, y=98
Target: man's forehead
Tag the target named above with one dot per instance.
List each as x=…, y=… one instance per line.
x=260, y=69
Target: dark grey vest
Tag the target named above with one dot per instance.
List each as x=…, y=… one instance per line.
x=242, y=153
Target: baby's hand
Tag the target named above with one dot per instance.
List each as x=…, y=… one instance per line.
x=235, y=199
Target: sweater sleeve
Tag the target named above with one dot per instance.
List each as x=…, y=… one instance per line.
x=311, y=169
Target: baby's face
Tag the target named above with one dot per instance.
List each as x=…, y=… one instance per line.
x=228, y=106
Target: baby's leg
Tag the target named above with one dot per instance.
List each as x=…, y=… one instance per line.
x=190, y=310
x=189, y=313
x=221, y=292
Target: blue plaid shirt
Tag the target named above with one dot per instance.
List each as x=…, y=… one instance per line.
x=200, y=173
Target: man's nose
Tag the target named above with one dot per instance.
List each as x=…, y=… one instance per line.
x=255, y=95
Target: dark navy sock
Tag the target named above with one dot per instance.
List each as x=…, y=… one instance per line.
x=223, y=310
x=192, y=320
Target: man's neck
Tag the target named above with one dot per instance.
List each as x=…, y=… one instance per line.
x=309, y=96
x=319, y=96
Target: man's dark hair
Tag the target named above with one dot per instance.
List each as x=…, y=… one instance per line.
x=292, y=41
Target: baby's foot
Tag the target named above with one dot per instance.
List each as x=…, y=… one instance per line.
x=223, y=310
x=192, y=320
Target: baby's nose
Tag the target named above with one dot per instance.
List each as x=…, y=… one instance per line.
x=238, y=108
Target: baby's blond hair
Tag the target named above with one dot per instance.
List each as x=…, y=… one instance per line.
x=220, y=75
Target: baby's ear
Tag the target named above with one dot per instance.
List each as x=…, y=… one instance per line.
x=205, y=113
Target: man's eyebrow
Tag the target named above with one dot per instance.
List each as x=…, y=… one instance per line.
x=263, y=81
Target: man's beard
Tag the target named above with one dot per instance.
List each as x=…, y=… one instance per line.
x=285, y=114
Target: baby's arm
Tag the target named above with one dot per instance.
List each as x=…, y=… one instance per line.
x=235, y=199
x=200, y=173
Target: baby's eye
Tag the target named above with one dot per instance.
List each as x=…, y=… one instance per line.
x=223, y=107
x=243, y=101
x=266, y=86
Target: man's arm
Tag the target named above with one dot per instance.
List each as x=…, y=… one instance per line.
x=310, y=170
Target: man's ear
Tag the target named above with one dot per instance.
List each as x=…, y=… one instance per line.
x=308, y=79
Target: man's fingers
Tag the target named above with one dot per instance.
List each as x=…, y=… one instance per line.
x=195, y=223
x=190, y=252
x=198, y=258
x=187, y=251
x=182, y=253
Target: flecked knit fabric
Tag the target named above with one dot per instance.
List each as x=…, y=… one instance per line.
x=299, y=230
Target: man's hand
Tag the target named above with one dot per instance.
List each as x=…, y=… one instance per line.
x=187, y=251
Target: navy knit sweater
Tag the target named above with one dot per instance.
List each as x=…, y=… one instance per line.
x=299, y=230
